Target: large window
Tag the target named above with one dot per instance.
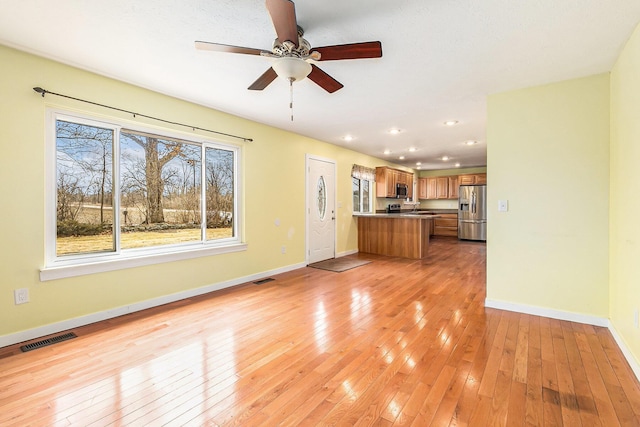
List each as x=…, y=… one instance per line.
x=123, y=192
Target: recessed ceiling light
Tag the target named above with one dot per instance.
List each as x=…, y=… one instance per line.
x=471, y=142
x=394, y=131
x=418, y=163
x=419, y=167
x=457, y=165
x=412, y=149
x=348, y=138
x=387, y=151
x=401, y=157
x=445, y=158
x=451, y=122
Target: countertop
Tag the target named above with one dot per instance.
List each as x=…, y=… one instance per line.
x=408, y=214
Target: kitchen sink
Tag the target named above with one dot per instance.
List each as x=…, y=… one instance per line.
x=420, y=213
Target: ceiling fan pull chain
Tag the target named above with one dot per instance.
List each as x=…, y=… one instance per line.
x=291, y=96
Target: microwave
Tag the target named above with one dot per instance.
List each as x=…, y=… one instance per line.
x=401, y=191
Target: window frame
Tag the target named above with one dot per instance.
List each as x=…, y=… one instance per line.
x=56, y=267
x=361, y=196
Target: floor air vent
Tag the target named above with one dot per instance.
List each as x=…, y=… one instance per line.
x=48, y=341
x=260, y=282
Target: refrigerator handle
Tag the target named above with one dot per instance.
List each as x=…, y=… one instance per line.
x=473, y=202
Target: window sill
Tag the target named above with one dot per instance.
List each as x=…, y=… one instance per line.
x=61, y=272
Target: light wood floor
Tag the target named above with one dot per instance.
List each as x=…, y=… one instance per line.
x=395, y=342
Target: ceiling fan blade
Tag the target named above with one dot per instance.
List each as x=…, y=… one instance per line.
x=264, y=80
x=324, y=80
x=283, y=16
x=350, y=51
x=218, y=47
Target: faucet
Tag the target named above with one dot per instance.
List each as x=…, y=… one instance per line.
x=415, y=206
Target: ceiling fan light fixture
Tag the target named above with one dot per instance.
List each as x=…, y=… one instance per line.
x=291, y=69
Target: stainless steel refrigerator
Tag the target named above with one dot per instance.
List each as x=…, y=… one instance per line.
x=472, y=212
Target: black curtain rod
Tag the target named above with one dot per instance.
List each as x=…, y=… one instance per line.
x=43, y=92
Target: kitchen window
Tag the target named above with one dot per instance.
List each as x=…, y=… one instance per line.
x=121, y=193
x=362, y=179
x=361, y=195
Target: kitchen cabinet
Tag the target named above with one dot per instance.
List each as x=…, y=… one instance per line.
x=385, y=182
x=453, y=187
x=409, y=182
x=387, y=179
x=406, y=237
x=427, y=188
x=478, y=178
x=442, y=187
x=422, y=188
x=432, y=188
x=446, y=225
x=446, y=187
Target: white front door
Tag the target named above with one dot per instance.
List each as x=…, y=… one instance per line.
x=321, y=210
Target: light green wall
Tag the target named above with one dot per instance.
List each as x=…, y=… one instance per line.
x=624, y=278
x=548, y=155
x=448, y=172
x=275, y=160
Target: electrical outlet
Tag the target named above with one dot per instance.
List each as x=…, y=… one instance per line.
x=283, y=249
x=21, y=296
x=503, y=205
x=636, y=318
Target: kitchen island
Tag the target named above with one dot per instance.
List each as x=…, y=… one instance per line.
x=395, y=234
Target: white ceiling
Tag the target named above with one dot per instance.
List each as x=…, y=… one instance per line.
x=441, y=58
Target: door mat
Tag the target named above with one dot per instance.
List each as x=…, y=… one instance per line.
x=339, y=264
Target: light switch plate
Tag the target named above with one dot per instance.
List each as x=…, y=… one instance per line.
x=503, y=205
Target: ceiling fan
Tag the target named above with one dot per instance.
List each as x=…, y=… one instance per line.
x=292, y=55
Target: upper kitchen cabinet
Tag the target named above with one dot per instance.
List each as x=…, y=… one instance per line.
x=481, y=178
x=442, y=187
x=477, y=178
x=422, y=188
x=427, y=188
x=387, y=178
x=454, y=183
x=385, y=182
x=432, y=188
x=446, y=187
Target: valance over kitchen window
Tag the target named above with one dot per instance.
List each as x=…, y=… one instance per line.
x=363, y=172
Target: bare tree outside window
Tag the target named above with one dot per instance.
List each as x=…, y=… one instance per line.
x=220, y=197
x=84, y=196
x=160, y=189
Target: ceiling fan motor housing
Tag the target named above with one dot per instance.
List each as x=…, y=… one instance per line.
x=289, y=49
